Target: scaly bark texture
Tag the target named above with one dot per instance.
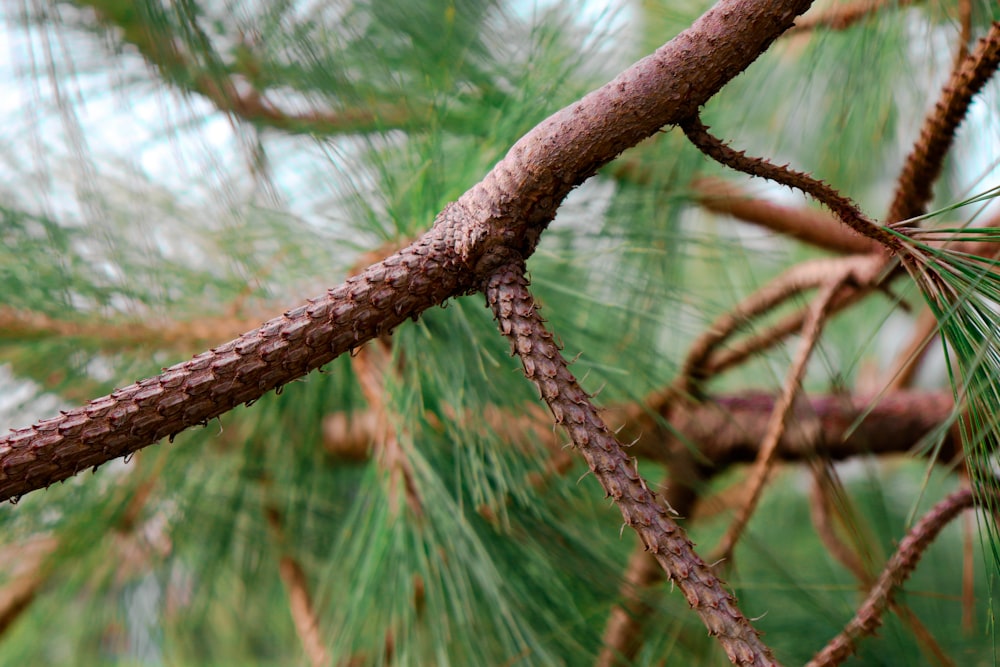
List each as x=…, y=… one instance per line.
x=900, y=566
x=507, y=294
x=510, y=207
x=923, y=165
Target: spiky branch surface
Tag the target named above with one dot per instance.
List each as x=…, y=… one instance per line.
x=507, y=294
x=510, y=208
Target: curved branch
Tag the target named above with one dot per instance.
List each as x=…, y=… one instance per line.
x=811, y=226
x=897, y=570
x=507, y=294
x=811, y=330
x=848, y=212
x=510, y=207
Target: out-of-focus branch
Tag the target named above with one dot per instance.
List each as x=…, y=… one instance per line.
x=805, y=224
x=896, y=572
x=728, y=430
x=811, y=330
x=843, y=15
x=31, y=570
x=299, y=597
x=237, y=97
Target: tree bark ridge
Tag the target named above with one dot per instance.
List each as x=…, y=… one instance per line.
x=509, y=208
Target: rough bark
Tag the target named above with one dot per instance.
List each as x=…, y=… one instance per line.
x=543, y=363
x=510, y=207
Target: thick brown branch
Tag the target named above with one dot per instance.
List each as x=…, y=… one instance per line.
x=897, y=570
x=924, y=163
x=728, y=430
x=510, y=207
x=543, y=363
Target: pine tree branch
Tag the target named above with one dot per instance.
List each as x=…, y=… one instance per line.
x=299, y=597
x=510, y=208
x=803, y=224
x=925, y=161
x=623, y=631
x=698, y=365
x=811, y=330
x=514, y=308
x=897, y=570
x=825, y=486
x=163, y=50
x=842, y=207
x=844, y=15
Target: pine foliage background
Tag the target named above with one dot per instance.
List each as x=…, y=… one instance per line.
x=175, y=173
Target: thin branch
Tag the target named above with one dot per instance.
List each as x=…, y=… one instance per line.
x=964, y=32
x=698, y=363
x=32, y=570
x=507, y=294
x=804, y=224
x=723, y=359
x=299, y=598
x=844, y=15
x=820, y=511
x=923, y=164
x=510, y=207
x=869, y=616
x=237, y=97
x=811, y=331
x=846, y=210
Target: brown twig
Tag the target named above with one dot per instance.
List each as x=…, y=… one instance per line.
x=843, y=15
x=924, y=163
x=820, y=502
x=820, y=511
x=811, y=330
x=723, y=359
x=234, y=95
x=507, y=294
x=299, y=598
x=32, y=569
x=869, y=616
x=846, y=210
x=804, y=224
x=964, y=32
x=698, y=363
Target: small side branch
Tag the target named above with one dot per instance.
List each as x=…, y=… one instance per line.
x=513, y=306
x=848, y=212
x=808, y=225
x=897, y=570
x=699, y=363
x=779, y=416
x=923, y=165
x=299, y=598
x=844, y=15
